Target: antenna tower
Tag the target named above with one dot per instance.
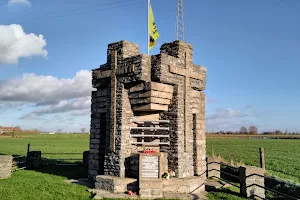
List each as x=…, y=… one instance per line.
x=180, y=28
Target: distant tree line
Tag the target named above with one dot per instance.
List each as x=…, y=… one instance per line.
x=82, y=131
x=278, y=132
x=252, y=130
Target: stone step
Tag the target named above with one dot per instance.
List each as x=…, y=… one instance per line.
x=101, y=194
x=150, y=107
x=211, y=184
x=150, y=100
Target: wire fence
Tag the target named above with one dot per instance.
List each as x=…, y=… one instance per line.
x=19, y=163
x=274, y=188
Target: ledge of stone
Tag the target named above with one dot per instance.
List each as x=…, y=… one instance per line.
x=101, y=194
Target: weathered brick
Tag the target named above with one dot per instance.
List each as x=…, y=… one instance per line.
x=5, y=166
x=130, y=86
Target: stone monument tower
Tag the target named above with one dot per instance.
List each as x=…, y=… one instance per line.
x=148, y=118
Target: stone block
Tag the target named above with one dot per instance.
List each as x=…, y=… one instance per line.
x=144, y=192
x=152, y=86
x=130, y=86
x=146, y=116
x=5, y=166
x=34, y=159
x=196, y=188
x=114, y=184
x=150, y=188
x=150, y=107
x=150, y=184
x=213, y=168
x=152, y=93
x=250, y=178
x=150, y=100
x=164, y=162
x=156, y=193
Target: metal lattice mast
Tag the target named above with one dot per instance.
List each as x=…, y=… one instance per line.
x=180, y=28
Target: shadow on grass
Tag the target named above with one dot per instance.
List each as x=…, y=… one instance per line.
x=74, y=172
x=224, y=193
x=217, y=189
x=70, y=172
x=226, y=190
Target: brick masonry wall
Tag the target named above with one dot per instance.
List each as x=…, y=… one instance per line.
x=172, y=115
x=99, y=108
x=124, y=133
x=186, y=154
x=5, y=166
x=198, y=108
x=213, y=168
x=180, y=112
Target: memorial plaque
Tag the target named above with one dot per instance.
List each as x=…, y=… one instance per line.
x=150, y=166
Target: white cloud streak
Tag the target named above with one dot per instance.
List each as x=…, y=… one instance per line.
x=49, y=95
x=17, y=2
x=15, y=44
x=225, y=113
x=46, y=90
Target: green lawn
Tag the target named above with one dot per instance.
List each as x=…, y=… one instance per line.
x=47, y=144
x=47, y=182
x=281, y=155
x=31, y=185
x=230, y=193
x=282, y=159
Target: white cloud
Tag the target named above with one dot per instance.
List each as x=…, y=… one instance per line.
x=46, y=90
x=249, y=106
x=15, y=43
x=66, y=106
x=83, y=112
x=8, y=106
x=49, y=95
x=226, y=124
x=209, y=100
x=230, y=119
x=225, y=113
x=14, y=2
x=48, y=102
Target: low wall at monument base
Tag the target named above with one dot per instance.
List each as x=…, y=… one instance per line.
x=250, y=178
x=115, y=184
x=5, y=166
x=191, y=185
x=151, y=188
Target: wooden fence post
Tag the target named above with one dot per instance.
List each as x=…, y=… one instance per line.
x=28, y=149
x=243, y=187
x=212, y=151
x=262, y=158
x=229, y=157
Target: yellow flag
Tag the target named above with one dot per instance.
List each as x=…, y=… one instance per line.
x=153, y=32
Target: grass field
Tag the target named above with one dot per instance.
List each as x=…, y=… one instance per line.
x=48, y=183
x=75, y=143
x=281, y=155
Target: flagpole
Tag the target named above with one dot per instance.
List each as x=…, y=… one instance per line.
x=148, y=37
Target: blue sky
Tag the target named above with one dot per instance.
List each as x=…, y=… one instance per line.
x=250, y=49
